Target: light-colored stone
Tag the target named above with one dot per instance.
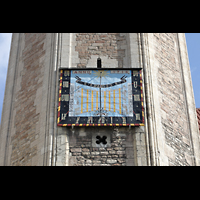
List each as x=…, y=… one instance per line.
x=170, y=135
x=111, y=161
x=77, y=150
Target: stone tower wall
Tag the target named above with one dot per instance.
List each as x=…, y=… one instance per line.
x=27, y=110
x=125, y=146
x=172, y=102
x=29, y=134
x=110, y=45
x=24, y=135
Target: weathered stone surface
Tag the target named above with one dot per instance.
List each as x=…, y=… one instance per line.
x=111, y=161
x=29, y=135
x=112, y=45
x=104, y=153
x=174, y=114
x=26, y=115
x=100, y=156
x=76, y=150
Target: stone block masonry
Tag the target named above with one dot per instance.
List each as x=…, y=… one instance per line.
x=26, y=116
x=172, y=100
x=112, y=45
x=118, y=151
x=29, y=133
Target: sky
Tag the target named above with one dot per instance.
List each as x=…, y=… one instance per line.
x=193, y=45
x=5, y=40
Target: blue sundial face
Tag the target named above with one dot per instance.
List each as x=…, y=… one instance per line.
x=101, y=92
x=100, y=97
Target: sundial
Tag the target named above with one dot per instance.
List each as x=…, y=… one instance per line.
x=100, y=97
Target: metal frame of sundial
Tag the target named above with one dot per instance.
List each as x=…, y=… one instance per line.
x=83, y=122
